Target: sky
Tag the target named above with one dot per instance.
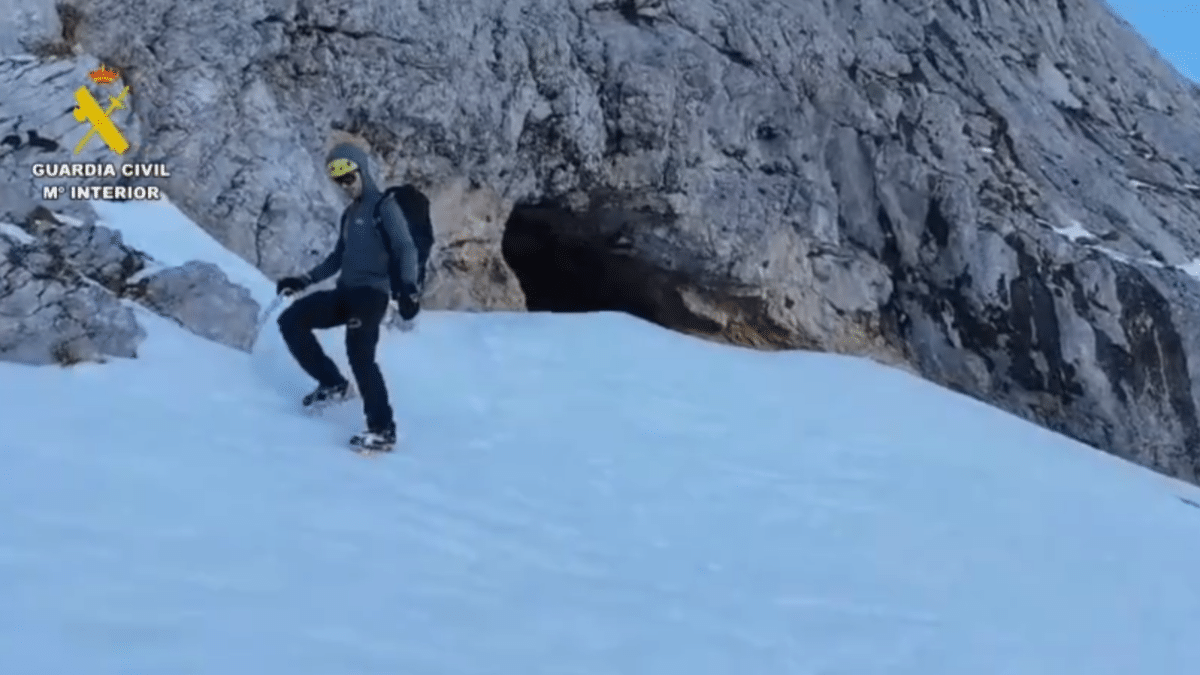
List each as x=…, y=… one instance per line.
x=1170, y=26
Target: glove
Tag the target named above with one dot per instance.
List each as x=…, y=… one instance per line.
x=290, y=285
x=408, y=302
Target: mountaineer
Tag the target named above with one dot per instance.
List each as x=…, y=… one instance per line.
x=380, y=257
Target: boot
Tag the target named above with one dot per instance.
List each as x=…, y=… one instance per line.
x=374, y=441
x=323, y=397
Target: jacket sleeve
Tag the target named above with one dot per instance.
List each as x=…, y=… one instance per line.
x=404, y=251
x=329, y=266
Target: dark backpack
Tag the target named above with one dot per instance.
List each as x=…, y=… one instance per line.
x=415, y=207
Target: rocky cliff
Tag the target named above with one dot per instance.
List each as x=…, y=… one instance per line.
x=68, y=289
x=66, y=281
x=1000, y=194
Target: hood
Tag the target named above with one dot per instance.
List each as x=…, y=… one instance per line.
x=355, y=154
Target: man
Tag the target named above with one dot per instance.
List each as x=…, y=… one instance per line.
x=367, y=263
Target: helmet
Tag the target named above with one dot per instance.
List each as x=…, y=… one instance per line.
x=341, y=167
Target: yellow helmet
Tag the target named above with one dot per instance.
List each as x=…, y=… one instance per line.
x=341, y=167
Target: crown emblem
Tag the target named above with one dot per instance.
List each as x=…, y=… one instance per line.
x=103, y=75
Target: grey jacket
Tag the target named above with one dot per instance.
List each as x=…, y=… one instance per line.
x=361, y=254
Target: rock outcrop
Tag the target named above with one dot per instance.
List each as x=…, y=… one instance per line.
x=201, y=298
x=51, y=310
x=64, y=284
x=1001, y=194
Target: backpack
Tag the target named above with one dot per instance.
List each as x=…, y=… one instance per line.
x=415, y=207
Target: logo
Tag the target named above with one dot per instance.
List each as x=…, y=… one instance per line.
x=98, y=121
x=89, y=110
x=103, y=75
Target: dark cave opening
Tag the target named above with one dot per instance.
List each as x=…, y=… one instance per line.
x=570, y=263
x=558, y=271
x=566, y=262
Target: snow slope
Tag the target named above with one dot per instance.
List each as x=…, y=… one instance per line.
x=576, y=495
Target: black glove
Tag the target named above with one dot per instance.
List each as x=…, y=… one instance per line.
x=408, y=301
x=290, y=285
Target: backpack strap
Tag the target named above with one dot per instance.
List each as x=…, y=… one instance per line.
x=388, y=193
x=387, y=242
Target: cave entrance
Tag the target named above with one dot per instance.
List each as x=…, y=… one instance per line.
x=570, y=263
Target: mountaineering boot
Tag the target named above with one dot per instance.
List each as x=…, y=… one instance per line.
x=374, y=441
x=323, y=397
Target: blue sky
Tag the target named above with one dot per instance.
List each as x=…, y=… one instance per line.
x=1170, y=26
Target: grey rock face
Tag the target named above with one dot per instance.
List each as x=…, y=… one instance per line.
x=41, y=65
x=50, y=313
x=1001, y=194
x=62, y=289
x=201, y=298
x=30, y=26
x=96, y=252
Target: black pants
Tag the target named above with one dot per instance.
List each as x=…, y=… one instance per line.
x=361, y=310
